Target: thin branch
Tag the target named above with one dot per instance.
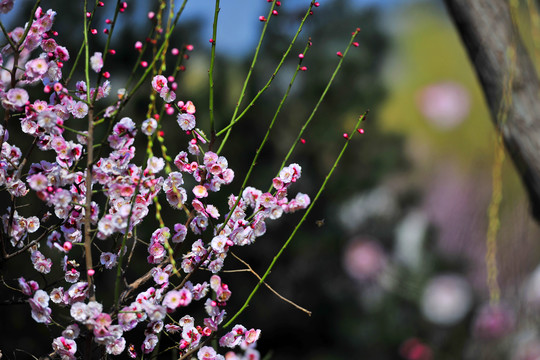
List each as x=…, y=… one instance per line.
x=250, y=269
x=307, y=212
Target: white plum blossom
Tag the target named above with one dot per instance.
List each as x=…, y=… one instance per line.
x=186, y=121
x=96, y=61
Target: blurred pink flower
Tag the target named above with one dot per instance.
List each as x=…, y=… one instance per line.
x=493, y=322
x=445, y=104
x=364, y=259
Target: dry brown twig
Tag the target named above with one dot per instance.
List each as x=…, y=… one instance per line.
x=250, y=269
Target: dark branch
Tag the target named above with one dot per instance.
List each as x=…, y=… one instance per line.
x=506, y=74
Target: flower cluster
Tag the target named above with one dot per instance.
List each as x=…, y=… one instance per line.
x=106, y=200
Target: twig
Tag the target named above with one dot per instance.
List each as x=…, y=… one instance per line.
x=308, y=211
x=250, y=269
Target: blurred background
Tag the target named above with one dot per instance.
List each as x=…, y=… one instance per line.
x=392, y=262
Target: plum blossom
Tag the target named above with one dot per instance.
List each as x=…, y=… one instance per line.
x=130, y=189
x=96, y=61
x=79, y=110
x=108, y=260
x=149, y=126
x=208, y=353
x=200, y=191
x=65, y=348
x=155, y=164
x=186, y=121
x=159, y=82
x=167, y=94
x=16, y=98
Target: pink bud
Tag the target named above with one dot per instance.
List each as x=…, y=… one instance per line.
x=355, y=44
x=360, y=131
x=106, y=74
x=345, y=135
x=303, y=68
x=144, y=64
x=138, y=45
x=274, y=12
x=91, y=272
x=189, y=47
x=175, y=51
x=301, y=56
x=151, y=15
x=262, y=18
x=339, y=54
x=93, y=31
x=67, y=246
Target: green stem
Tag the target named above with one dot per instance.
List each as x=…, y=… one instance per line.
x=278, y=255
x=124, y=239
x=263, y=142
x=211, y=72
x=155, y=59
x=8, y=38
x=89, y=162
x=235, y=118
x=83, y=45
x=139, y=58
x=113, y=23
x=72, y=71
x=323, y=95
x=253, y=62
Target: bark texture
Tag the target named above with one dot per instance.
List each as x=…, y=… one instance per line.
x=498, y=55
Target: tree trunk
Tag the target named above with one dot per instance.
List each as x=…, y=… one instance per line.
x=508, y=78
